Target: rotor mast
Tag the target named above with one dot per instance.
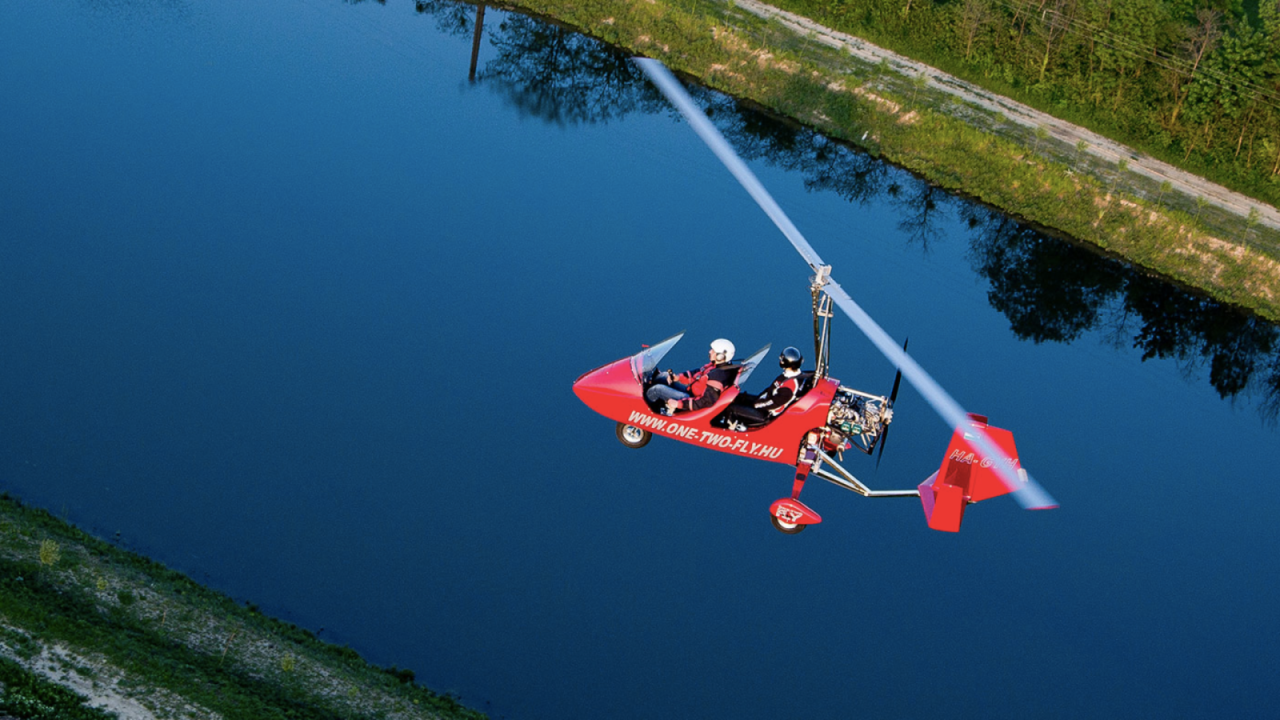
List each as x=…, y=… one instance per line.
x=821, y=320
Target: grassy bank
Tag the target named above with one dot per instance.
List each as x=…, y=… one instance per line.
x=956, y=146
x=79, y=613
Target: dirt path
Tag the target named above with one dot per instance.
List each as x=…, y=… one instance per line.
x=1105, y=149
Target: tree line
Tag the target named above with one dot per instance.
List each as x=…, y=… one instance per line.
x=1195, y=83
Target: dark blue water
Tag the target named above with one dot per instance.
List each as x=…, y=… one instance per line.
x=293, y=307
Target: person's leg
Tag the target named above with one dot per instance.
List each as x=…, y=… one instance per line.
x=659, y=393
x=747, y=415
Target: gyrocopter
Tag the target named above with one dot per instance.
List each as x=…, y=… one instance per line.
x=823, y=418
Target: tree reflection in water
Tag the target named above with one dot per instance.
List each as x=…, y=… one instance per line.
x=563, y=77
x=452, y=18
x=1051, y=290
x=1048, y=289
x=922, y=206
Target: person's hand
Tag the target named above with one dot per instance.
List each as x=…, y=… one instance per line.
x=673, y=404
x=671, y=377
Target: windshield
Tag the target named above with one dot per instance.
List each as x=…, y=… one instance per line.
x=644, y=362
x=750, y=364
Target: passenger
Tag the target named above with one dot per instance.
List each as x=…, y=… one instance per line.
x=753, y=411
x=696, y=389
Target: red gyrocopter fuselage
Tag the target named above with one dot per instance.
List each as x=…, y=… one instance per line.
x=825, y=420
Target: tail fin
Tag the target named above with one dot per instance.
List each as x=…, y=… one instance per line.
x=965, y=477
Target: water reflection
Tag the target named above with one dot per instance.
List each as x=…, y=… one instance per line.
x=452, y=18
x=475, y=43
x=923, y=207
x=1054, y=291
x=563, y=77
x=1050, y=289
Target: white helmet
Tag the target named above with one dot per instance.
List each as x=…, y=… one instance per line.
x=722, y=347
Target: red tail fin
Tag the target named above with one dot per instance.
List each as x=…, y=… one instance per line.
x=965, y=477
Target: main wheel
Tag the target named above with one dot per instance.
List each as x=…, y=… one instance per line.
x=786, y=527
x=632, y=436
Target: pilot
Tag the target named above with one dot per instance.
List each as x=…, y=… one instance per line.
x=753, y=411
x=698, y=388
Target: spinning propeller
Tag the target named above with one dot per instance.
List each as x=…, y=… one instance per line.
x=893, y=395
x=1026, y=490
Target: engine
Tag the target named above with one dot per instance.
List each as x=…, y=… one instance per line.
x=857, y=417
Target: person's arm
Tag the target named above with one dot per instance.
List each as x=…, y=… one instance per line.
x=777, y=398
x=706, y=399
x=687, y=378
x=780, y=393
x=718, y=378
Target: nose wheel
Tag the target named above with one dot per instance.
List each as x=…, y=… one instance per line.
x=786, y=527
x=632, y=436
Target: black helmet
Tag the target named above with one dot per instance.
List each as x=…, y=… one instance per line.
x=790, y=359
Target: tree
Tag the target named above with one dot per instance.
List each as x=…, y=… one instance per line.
x=1272, y=150
x=1122, y=167
x=1230, y=83
x=1269, y=14
x=1097, y=18
x=974, y=15
x=1201, y=40
x=1128, y=42
x=918, y=82
x=1055, y=19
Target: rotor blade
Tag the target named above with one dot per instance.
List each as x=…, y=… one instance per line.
x=675, y=92
x=1029, y=494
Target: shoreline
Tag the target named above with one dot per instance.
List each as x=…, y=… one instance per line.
x=136, y=639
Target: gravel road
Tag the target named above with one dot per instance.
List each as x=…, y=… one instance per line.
x=1105, y=149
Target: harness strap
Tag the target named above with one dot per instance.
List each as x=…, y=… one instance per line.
x=794, y=382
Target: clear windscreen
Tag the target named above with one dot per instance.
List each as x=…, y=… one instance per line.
x=750, y=364
x=645, y=361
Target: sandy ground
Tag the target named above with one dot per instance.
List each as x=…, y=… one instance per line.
x=1105, y=149
x=101, y=685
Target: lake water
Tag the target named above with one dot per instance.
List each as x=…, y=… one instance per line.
x=291, y=305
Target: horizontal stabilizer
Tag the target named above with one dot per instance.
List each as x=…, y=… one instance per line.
x=943, y=504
